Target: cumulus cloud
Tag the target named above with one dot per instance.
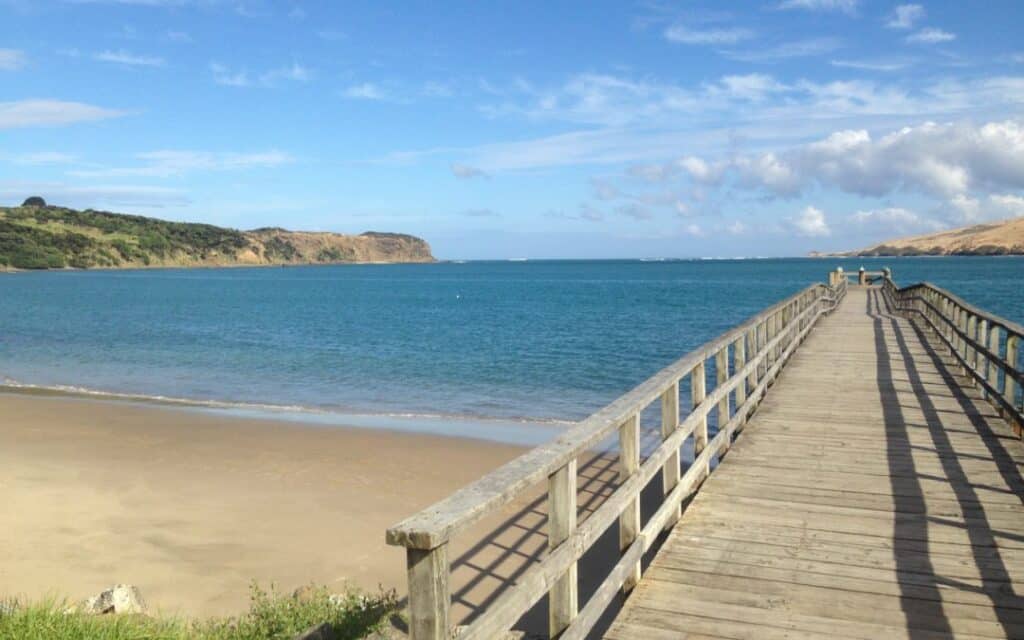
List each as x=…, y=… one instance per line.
x=12, y=59
x=685, y=35
x=904, y=16
x=810, y=223
x=936, y=159
x=466, y=172
x=51, y=113
x=930, y=36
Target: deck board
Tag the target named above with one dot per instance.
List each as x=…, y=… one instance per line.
x=874, y=494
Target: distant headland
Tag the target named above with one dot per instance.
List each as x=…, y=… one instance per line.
x=41, y=236
x=1002, y=238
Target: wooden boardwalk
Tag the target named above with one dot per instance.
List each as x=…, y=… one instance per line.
x=874, y=494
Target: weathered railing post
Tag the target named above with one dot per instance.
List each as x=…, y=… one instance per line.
x=429, y=595
x=698, y=389
x=721, y=376
x=1010, y=387
x=629, y=520
x=563, y=601
x=739, y=360
x=992, y=372
x=669, y=424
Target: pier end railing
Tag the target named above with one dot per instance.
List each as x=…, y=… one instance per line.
x=986, y=346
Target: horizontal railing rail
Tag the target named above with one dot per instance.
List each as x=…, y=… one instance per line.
x=986, y=346
x=747, y=359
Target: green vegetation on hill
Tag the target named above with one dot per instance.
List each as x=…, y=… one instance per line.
x=37, y=236
x=271, y=616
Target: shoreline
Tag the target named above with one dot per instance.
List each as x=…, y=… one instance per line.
x=515, y=430
x=192, y=506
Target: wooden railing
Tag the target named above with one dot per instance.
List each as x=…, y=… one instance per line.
x=747, y=359
x=986, y=345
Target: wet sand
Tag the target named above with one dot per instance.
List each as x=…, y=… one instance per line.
x=192, y=506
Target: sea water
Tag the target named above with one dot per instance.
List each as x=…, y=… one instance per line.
x=492, y=349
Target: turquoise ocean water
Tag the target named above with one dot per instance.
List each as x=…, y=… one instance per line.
x=493, y=347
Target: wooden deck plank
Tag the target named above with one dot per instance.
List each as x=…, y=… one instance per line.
x=874, y=493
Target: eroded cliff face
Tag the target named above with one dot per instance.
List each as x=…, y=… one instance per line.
x=1005, y=237
x=273, y=246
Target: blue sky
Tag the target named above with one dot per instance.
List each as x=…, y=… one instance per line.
x=524, y=129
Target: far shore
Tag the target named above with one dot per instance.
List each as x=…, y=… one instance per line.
x=192, y=506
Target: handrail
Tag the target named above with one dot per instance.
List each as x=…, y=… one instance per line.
x=983, y=343
x=759, y=348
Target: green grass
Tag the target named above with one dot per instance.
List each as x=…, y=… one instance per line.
x=271, y=616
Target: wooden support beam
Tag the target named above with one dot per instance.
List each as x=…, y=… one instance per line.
x=429, y=595
x=739, y=360
x=563, y=601
x=721, y=375
x=698, y=389
x=1010, y=389
x=629, y=520
x=669, y=423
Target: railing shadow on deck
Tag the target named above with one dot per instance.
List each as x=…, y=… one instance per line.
x=920, y=585
x=519, y=541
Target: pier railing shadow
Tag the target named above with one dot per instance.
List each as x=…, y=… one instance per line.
x=898, y=370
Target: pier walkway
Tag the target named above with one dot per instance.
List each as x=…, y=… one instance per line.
x=846, y=463
x=874, y=494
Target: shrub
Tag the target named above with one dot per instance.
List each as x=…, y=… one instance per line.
x=271, y=616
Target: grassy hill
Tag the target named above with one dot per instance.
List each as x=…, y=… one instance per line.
x=37, y=236
x=995, y=239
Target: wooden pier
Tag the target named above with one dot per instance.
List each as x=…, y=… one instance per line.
x=866, y=481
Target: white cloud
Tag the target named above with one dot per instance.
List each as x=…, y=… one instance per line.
x=904, y=16
x=736, y=228
x=769, y=171
x=364, y=91
x=128, y=59
x=12, y=59
x=872, y=65
x=939, y=160
x=684, y=35
x=787, y=50
x=895, y=220
x=168, y=163
x=693, y=229
x=43, y=157
x=701, y=170
x=466, y=172
x=96, y=195
x=179, y=36
x=51, y=113
x=930, y=36
x=224, y=75
x=810, y=223
x=846, y=6
x=634, y=211
x=967, y=210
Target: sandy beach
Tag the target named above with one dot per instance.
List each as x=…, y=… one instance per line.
x=192, y=506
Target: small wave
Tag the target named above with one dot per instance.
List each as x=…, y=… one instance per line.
x=11, y=385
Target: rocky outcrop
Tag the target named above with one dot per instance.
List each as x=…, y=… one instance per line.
x=119, y=599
